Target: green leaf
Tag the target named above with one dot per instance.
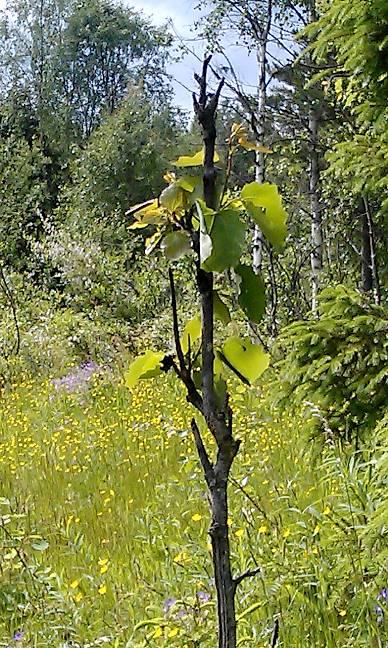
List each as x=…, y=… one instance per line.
x=193, y=185
x=193, y=160
x=192, y=332
x=252, y=293
x=173, y=198
x=145, y=366
x=221, y=311
x=248, y=359
x=264, y=204
x=175, y=245
x=227, y=233
x=40, y=545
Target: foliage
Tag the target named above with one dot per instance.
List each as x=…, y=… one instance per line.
x=339, y=362
x=24, y=195
x=122, y=163
x=53, y=337
x=180, y=212
x=105, y=49
x=76, y=59
x=352, y=37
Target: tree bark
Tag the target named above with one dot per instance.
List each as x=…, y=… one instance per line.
x=218, y=419
x=373, y=254
x=263, y=33
x=316, y=219
x=366, y=258
x=260, y=160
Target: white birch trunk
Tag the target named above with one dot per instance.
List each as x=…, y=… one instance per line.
x=316, y=220
x=260, y=160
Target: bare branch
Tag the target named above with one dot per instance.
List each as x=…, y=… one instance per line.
x=193, y=395
x=249, y=573
x=177, y=340
x=250, y=498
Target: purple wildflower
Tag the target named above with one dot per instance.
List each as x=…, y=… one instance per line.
x=379, y=612
x=18, y=636
x=203, y=597
x=383, y=595
x=168, y=604
x=78, y=379
x=180, y=614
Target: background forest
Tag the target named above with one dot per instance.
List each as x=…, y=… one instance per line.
x=103, y=512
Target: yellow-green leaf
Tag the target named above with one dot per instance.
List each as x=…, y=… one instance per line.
x=264, y=204
x=192, y=332
x=252, y=146
x=173, y=198
x=145, y=366
x=193, y=160
x=140, y=206
x=250, y=360
x=148, y=213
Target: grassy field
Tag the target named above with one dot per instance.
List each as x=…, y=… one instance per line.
x=103, y=523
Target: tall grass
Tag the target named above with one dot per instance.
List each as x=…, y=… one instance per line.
x=103, y=523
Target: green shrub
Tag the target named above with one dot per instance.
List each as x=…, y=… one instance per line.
x=338, y=362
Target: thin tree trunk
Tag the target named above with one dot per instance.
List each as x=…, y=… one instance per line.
x=260, y=127
x=260, y=160
x=366, y=258
x=316, y=219
x=373, y=254
x=218, y=419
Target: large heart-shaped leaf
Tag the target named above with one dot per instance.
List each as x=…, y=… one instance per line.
x=264, y=204
x=175, y=245
x=247, y=359
x=227, y=233
x=252, y=293
x=147, y=365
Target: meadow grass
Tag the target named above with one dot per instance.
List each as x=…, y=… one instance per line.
x=104, y=518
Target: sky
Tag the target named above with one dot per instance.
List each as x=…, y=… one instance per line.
x=182, y=15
